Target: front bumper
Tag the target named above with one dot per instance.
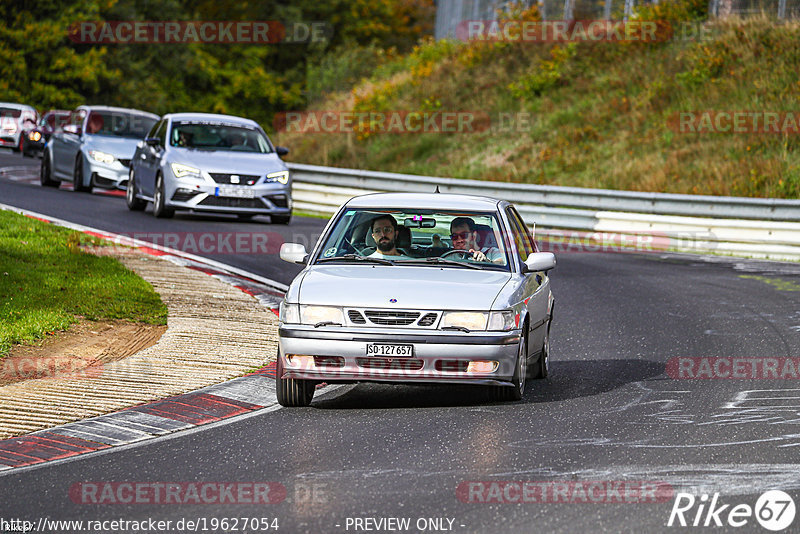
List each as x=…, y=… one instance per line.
x=107, y=175
x=437, y=358
x=267, y=199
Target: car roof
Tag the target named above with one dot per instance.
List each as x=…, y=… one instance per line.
x=112, y=108
x=211, y=117
x=14, y=105
x=446, y=201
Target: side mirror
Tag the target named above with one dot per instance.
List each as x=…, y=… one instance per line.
x=73, y=129
x=281, y=150
x=540, y=261
x=154, y=142
x=293, y=253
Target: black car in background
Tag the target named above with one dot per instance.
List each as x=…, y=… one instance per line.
x=34, y=139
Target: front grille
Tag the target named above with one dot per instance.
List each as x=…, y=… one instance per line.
x=391, y=318
x=232, y=202
x=390, y=364
x=125, y=162
x=225, y=178
x=427, y=320
x=328, y=361
x=356, y=317
x=280, y=201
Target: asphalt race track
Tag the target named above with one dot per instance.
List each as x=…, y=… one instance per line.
x=612, y=422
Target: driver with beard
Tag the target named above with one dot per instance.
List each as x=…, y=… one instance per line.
x=384, y=232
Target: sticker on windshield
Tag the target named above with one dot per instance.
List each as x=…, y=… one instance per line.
x=330, y=252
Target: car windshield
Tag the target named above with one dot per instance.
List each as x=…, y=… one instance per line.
x=436, y=238
x=218, y=136
x=10, y=113
x=119, y=124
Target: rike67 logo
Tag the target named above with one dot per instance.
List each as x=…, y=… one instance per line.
x=774, y=510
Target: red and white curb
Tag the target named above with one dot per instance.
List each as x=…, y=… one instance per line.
x=239, y=396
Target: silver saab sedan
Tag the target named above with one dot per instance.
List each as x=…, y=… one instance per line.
x=417, y=288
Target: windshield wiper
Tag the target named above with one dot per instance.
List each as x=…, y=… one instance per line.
x=356, y=257
x=438, y=260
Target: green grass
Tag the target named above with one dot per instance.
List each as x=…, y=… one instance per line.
x=601, y=111
x=47, y=283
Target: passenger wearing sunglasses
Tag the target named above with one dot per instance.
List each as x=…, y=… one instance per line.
x=464, y=236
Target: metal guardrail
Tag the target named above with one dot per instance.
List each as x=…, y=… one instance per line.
x=763, y=209
x=767, y=228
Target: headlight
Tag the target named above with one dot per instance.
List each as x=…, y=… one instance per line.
x=180, y=171
x=281, y=177
x=468, y=320
x=503, y=320
x=102, y=157
x=321, y=314
x=289, y=313
x=34, y=136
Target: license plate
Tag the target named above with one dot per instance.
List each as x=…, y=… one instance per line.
x=383, y=349
x=236, y=192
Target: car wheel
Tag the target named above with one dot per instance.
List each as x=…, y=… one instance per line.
x=134, y=203
x=292, y=392
x=77, y=177
x=21, y=145
x=514, y=393
x=160, y=209
x=280, y=219
x=46, y=173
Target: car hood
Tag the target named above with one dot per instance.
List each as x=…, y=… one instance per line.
x=429, y=288
x=119, y=147
x=225, y=161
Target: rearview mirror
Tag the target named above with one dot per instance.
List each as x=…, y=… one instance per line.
x=293, y=253
x=418, y=221
x=540, y=261
x=281, y=150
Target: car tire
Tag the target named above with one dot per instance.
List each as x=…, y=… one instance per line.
x=542, y=367
x=134, y=203
x=21, y=145
x=46, y=173
x=280, y=219
x=160, y=210
x=77, y=177
x=292, y=392
x=514, y=393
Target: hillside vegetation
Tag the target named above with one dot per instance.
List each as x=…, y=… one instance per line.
x=602, y=114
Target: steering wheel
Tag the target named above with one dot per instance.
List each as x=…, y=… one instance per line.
x=465, y=254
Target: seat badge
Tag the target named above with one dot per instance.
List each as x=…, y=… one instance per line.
x=234, y=178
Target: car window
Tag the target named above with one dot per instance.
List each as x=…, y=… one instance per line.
x=119, y=124
x=154, y=129
x=421, y=236
x=76, y=117
x=161, y=133
x=210, y=135
x=522, y=238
